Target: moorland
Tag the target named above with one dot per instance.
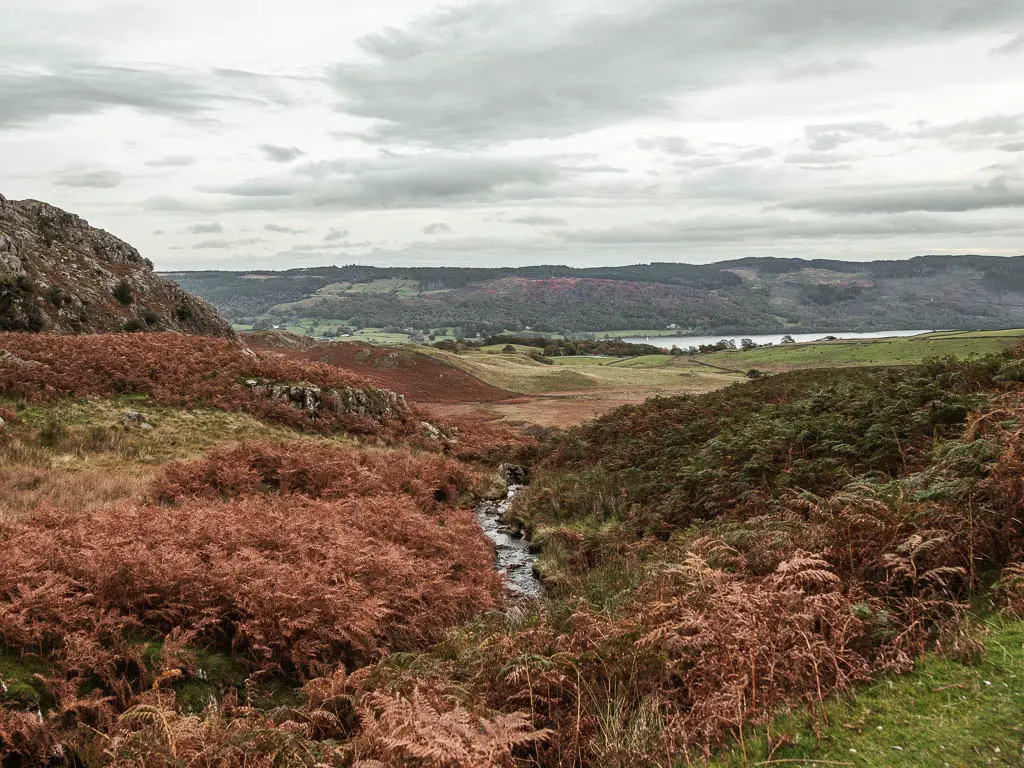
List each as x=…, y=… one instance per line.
x=228, y=551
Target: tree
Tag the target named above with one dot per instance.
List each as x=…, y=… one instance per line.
x=787, y=339
x=748, y=344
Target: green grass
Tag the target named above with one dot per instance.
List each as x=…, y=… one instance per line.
x=395, y=286
x=942, y=714
x=21, y=688
x=499, y=348
x=892, y=351
x=655, y=374
x=178, y=432
x=584, y=361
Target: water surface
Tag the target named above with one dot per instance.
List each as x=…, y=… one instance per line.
x=514, y=559
x=667, y=342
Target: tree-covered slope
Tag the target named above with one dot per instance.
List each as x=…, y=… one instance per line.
x=748, y=295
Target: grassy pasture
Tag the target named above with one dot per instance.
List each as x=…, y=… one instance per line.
x=891, y=351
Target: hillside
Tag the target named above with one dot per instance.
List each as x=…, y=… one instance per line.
x=744, y=296
x=59, y=274
x=410, y=372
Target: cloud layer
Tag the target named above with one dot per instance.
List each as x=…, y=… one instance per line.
x=521, y=131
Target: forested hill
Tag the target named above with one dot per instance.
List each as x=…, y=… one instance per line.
x=742, y=296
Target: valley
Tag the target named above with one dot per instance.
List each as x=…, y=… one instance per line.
x=224, y=550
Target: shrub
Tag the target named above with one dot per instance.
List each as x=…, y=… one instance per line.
x=315, y=470
x=56, y=296
x=123, y=293
x=301, y=587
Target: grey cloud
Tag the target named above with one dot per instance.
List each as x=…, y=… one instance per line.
x=1014, y=46
x=670, y=145
x=316, y=247
x=819, y=69
x=405, y=181
x=172, y=161
x=29, y=96
x=773, y=228
x=223, y=244
x=438, y=228
x=538, y=220
x=973, y=134
x=819, y=158
x=213, y=228
x=91, y=179
x=825, y=142
x=825, y=138
x=284, y=230
x=952, y=199
x=757, y=153
x=278, y=154
x=1012, y=146
x=504, y=70
x=334, y=234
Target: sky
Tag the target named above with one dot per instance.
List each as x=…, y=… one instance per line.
x=250, y=134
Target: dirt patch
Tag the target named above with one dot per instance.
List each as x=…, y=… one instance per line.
x=563, y=409
x=421, y=378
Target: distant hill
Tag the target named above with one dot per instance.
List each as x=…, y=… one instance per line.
x=742, y=296
x=59, y=274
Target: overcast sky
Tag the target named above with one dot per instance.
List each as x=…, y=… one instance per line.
x=248, y=133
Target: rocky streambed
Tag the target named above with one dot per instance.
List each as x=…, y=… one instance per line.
x=515, y=560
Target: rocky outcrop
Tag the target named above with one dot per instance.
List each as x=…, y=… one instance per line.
x=59, y=274
x=376, y=404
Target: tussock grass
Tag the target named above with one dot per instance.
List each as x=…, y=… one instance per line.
x=79, y=455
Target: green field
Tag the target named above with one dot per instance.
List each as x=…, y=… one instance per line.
x=653, y=374
x=890, y=351
x=943, y=714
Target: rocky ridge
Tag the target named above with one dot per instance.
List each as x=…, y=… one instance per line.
x=59, y=274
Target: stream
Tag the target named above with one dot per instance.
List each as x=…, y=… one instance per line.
x=514, y=559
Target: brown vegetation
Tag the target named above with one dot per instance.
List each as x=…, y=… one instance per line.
x=420, y=377
x=710, y=562
x=173, y=370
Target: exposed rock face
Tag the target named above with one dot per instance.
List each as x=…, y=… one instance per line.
x=374, y=404
x=59, y=274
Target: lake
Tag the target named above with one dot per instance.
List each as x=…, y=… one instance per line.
x=683, y=342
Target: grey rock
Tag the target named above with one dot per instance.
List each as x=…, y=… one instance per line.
x=136, y=419
x=67, y=271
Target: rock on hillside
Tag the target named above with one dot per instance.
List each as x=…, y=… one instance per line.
x=59, y=274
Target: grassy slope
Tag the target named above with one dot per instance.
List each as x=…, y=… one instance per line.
x=79, y=454
x=942, y=714
x=656, y=374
